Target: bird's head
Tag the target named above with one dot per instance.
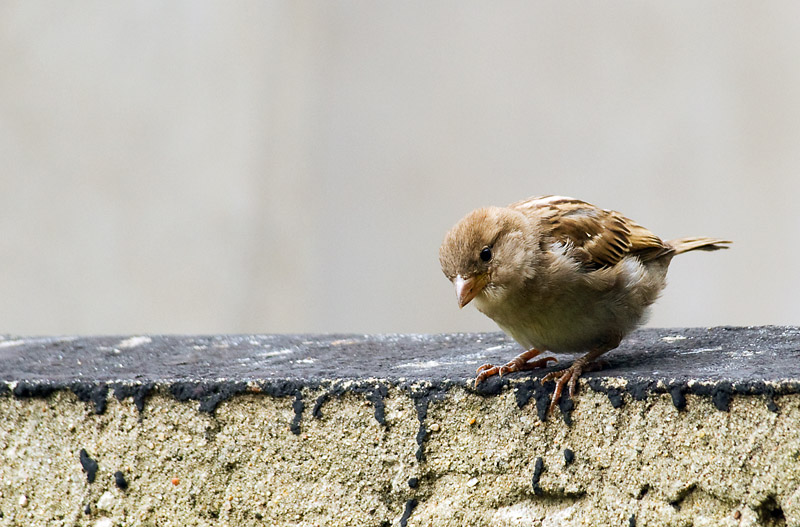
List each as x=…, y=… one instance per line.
x=489, y=252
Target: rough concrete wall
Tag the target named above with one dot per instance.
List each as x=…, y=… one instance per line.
x=478, y=461
x=683, y=427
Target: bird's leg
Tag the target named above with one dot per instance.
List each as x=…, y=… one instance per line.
x=570, y=375
x=518, y=363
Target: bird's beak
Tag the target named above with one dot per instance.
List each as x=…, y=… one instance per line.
x=467, y=289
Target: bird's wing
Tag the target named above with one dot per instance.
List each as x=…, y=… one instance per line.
x=598, y=237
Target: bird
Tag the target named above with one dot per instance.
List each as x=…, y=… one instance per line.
x=559, y=275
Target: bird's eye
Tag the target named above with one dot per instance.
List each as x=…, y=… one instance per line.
x=486, y=254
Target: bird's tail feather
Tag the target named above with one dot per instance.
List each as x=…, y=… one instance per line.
x=683, y=245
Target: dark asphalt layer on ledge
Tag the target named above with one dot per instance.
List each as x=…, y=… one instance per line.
x=730, y=354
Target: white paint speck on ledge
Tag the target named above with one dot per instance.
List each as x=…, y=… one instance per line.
x=471, y=358
x=276, y=353
x=310, y=360
x=133, y=342
x=426, y=365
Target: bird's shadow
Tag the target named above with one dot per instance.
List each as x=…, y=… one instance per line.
x=618, y=363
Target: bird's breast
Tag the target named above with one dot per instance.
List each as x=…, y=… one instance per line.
x=578, y=314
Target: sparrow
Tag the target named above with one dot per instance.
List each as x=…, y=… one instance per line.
x=558, y=274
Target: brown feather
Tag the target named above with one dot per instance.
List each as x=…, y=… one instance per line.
x=600, y=237
x=682, y=245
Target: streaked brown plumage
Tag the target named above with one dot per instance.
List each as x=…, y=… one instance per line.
x=560, y=275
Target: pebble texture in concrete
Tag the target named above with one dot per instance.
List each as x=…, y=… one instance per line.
x=682, y=427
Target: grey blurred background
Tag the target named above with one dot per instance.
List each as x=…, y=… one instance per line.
x=202, y=167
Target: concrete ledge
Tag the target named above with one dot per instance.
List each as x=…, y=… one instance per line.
x=683, y=427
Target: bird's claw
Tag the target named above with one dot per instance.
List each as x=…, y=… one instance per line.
x=486, y=371
x=568, y=377
x=519, y=363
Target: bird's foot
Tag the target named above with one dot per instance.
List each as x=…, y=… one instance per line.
x=565, y=377
x=518, y=363
x=569, y=377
